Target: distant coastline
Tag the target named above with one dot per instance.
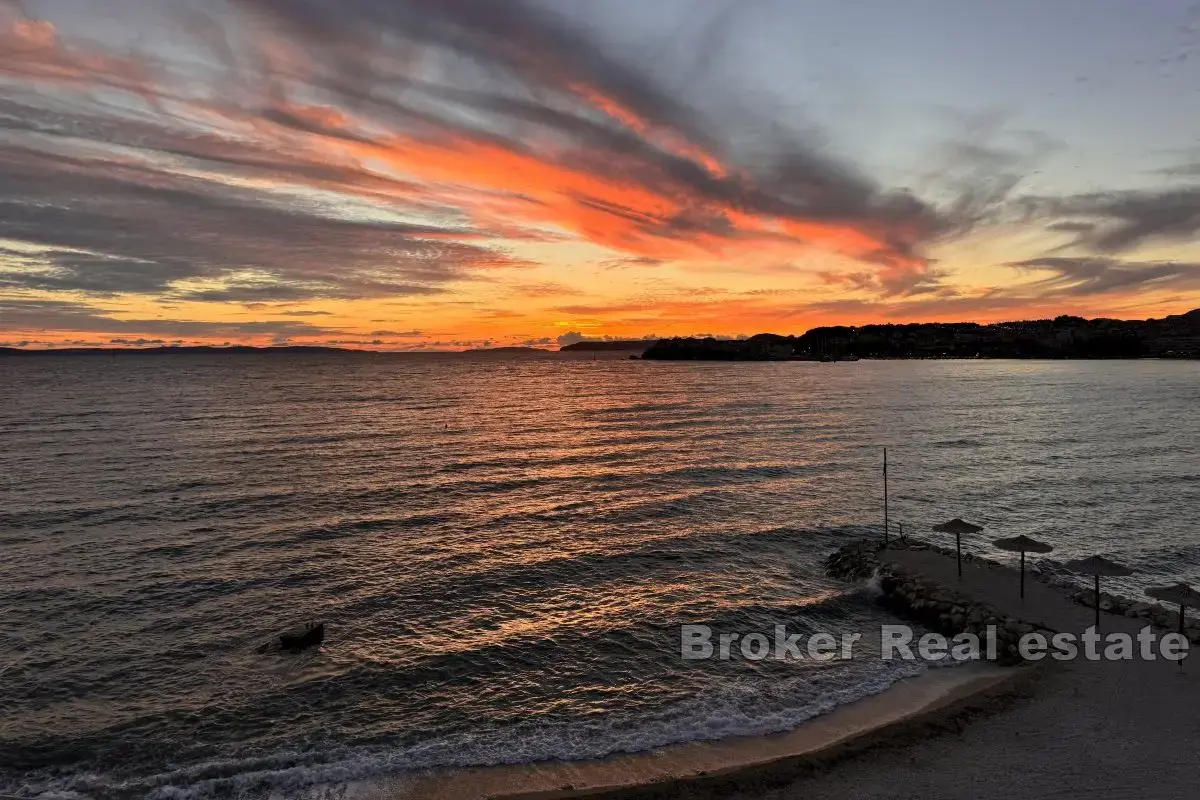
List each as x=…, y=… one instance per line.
x=631, y=346
x=508, y=350
x=1176, y=336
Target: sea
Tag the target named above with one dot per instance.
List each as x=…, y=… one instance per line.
x=504, y=547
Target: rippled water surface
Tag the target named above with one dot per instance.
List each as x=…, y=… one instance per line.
x=504, y=548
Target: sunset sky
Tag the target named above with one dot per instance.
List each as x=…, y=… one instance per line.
x=444, y=174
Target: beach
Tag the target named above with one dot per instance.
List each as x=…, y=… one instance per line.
x=712, y=767
x=1079, y=728
x=1112, y=729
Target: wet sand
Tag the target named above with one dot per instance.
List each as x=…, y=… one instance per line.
x=727, y=764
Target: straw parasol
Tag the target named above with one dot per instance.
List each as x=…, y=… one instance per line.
x=1022, y=545
x=1097, y=566
x=1179, y=593
x=958, y=528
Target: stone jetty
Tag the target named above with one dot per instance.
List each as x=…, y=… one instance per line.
x=1154, y=613
x=951, y=610
x=943, y=609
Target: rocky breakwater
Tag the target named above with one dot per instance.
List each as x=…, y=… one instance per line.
x=916, y=598
x=1154, y=614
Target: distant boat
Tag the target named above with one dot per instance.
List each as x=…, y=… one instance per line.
x=827, y=359
x=848, y=358
x=311, y=635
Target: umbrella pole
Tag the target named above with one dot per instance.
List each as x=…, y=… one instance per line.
x=1097, y=603
x=1022, y=574
x=958, y=547
x=885, y=499
x=1181, y=633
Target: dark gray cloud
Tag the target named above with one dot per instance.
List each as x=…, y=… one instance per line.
x=273, y=183
x=1080, y=277
x=93, y=274
x=28, y=314
x=1120, y=221
x=1071, y=227
x=517, y=66
x=112, y=227
x=1189, y=171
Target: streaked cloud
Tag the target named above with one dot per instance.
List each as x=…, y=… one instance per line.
x=1092, y=276
x=484, y=162
x=1120, y=221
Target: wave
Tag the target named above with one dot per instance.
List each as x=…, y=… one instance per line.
x=739, y=708
x=957, y=443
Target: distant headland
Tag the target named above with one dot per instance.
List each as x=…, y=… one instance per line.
x=1176, y=336
x=630, y=345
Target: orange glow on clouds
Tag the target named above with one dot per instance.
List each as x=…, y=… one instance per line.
x=505, y=237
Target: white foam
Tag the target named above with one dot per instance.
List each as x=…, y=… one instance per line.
x=738, y=708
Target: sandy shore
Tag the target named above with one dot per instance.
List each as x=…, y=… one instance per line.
x=1087, y=729
x=724, y=765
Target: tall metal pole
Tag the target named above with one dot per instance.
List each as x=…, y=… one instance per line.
x=1181, y=632
x=885, y=499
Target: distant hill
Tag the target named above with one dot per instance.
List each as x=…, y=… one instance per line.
x=631, y=345
x=1176, y=336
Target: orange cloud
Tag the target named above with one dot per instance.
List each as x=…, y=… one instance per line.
x=328, y=166
x=34, y=51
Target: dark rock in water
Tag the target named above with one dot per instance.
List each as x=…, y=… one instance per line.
x=296, y=639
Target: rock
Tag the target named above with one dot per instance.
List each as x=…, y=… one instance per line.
x=304, y=637
x=941, y=608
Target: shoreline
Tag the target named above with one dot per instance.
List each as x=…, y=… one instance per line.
x=1080, y=728
x=908, y=706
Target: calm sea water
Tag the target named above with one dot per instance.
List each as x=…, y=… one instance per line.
x=504, y=548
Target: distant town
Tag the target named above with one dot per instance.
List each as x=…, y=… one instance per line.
x=1175, y=336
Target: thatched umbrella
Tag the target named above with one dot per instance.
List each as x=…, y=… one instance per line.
x=1179, y=593
x=1022, y=545
x=958, y=528
x=1097, y=566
